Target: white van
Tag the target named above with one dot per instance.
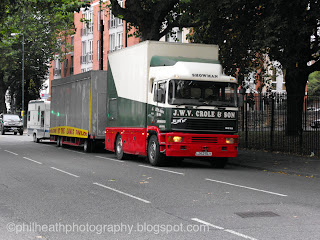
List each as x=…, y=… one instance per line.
x=38, y=119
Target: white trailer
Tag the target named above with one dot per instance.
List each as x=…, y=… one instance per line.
x=38, y=119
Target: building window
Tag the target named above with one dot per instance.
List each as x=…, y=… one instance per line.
x=71, y=66
x=84, y=52
x=112, y=42
x=112, y=21
x=89, y=54
x=57, y=67
x=119, y=41
x=119, y=22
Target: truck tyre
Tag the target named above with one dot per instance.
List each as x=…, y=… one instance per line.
x=2, y=131
x=118, y=148
x=35, y=139
x=154, y=155
x=15, y=133
x=21, y=132
x=87, y=146
x=58, y=140
x=218, y=162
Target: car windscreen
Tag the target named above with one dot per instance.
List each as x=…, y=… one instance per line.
x=11, y=118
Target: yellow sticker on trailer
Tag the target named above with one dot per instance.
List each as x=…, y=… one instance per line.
x=69, y=132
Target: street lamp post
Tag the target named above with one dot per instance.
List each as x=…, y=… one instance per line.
x=22, y=113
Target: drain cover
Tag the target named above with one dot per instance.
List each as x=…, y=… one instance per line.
x=257, y=214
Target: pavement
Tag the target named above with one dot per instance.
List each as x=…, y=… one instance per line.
x=278, y=162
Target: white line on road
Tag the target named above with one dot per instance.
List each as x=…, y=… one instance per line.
x=126, y=194
x=64, y=172
x=11, y=152
x=32, y=160
x=111, y=159
x=160, y=169
x=74, y=151
x=206, y=223
x=255, y=189
x=221, y=228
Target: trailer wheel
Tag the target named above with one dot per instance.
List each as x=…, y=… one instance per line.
x=87, y=146
x=154, y=155
x=118, y=148
x=58, y=141
x=35, y=139
x=218, y=162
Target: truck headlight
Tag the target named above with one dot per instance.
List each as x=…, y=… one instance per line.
x=175, y=139
x=5, y=123
x=231, y=140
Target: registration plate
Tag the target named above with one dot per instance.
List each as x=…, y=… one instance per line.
x=207, y=154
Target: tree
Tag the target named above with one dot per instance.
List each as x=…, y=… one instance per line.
x=287, y=31
x=314, y=84
x=41, y=22
x=152, y=19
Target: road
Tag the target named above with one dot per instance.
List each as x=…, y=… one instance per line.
x=55, y=193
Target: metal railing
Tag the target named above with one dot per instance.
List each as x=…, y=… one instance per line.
x=263, y=124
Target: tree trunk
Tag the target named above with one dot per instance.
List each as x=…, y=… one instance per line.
x=3, y=90
x=296, y=80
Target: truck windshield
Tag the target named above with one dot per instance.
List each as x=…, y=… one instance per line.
x=202, y=93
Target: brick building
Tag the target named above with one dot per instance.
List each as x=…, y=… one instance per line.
x=86, y=41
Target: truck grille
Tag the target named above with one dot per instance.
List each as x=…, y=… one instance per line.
x=204, y=140
x=207, y=125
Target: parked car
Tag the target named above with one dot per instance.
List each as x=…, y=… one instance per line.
x=315, y=124
x=10, y=123
x=313, y=109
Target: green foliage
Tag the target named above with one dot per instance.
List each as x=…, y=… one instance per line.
x=314, y=84
x=41, y=22
x=286, y=31
x=152, y=19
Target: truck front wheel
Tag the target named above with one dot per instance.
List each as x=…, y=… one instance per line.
x=154, y=155
x=118, y=148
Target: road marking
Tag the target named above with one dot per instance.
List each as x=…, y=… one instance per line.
x=126, y=194
x=74, y=151
x=11, y=152
x=160, y=169
x=32, y=160
x=206, y=223
x=239, y=234
x=111, y=159
x=221, y=228
x=64, y=172
x=255, y=189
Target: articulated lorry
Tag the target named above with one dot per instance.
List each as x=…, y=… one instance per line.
x=170, y=100
x=78, y=110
